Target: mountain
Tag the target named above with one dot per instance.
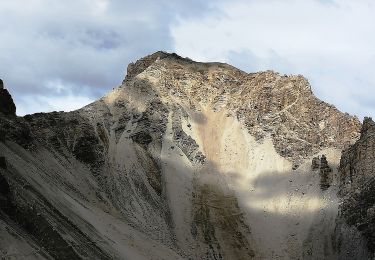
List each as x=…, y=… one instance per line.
x=188, y=160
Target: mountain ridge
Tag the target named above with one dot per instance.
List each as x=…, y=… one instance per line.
x=299, y=86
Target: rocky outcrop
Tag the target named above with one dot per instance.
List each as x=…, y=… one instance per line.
x=140, y=65
x=7, y=106
x=357, y=185
x=357, y=162
x=325, y=171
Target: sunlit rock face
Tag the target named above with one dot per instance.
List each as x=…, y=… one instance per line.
x=184, y=160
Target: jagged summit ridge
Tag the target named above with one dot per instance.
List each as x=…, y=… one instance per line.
x=140, y=65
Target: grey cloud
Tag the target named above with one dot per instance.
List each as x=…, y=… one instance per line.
x=81, y=47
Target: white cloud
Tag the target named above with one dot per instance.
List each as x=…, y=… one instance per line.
x=330, y=42
x=83, y=46
x=49, y=104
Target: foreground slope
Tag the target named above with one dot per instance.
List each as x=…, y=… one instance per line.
x=184, y=160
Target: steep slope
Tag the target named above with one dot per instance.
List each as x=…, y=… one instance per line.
x=184, y=160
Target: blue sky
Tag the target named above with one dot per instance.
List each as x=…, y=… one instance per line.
x=61, y=55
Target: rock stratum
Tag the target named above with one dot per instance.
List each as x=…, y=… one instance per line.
x=188, y=160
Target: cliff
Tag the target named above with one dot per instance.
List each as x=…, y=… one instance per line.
x=7, y=106
x=357, y=185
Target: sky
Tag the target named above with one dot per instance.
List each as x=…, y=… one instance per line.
x=61, y=55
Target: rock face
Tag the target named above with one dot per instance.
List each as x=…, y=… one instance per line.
x=184, y=160
x=7, y=106
x=357, y=186
x=269, y=104
x=325, y=171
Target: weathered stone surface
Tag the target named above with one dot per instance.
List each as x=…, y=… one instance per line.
x=325, y=173
x=357, y=162
x=315, y=163
x=269, y=104
x=7, y=106
x=186, y=143
x=142, y=138
x=15, y=129
x=142, y=64
x=357, y=184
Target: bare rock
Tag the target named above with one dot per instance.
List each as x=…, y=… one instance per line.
x=7, y=106
x=267, y=103
x=140, y=65
x=357, y=184
x=315, y=164
x=325, y=173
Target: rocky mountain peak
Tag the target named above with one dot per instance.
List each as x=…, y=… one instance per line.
x=140, y=65
x=7, y=106
x=282, y=107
